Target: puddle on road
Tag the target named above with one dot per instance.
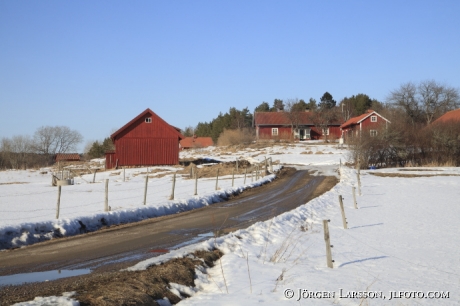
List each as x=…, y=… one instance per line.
x=19, y=279
x=196, y=239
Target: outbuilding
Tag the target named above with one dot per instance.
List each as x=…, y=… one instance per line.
x=147, y=140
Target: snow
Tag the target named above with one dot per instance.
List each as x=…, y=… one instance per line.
x=64, y=300
x=403, y=239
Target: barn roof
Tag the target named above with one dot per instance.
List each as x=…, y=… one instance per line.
x=361, y=118
x=280, y=118
x=190, y=142
x=453, y=115
x=67, y=156
x=141, y=115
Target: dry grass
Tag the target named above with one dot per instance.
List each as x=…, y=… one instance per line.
x=409, y=175
x=235, y=137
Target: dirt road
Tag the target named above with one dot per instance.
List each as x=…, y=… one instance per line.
x=120, y=246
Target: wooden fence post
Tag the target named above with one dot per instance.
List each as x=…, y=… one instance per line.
x=94, y=176
x=124, y=174
x=328, y=244
x=271, y=165
x=233, y=178
x=196, y=183
x=106, y=204
x=217, y=179
x=145, y=189
x=58, y=202
x=245, y=172
x=344, y=219
x=354, y=197
x=236, y=166
x=173, y=186
x=358, y=176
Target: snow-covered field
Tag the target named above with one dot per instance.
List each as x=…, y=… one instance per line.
x=402, y=245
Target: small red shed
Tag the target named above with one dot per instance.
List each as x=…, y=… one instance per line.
x=196, y=142
x=147, y=140
x=66, y=157
x=370, y=122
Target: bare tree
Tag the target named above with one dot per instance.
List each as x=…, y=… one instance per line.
x=323, y=117
x=50, y=140
x=293, y=112
x=436, y=99
x=426, y=101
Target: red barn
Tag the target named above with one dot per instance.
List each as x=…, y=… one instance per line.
x=277, y=125
x=369, y=122
x=147, y=140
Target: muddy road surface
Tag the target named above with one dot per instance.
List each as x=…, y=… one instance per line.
x=110, y=249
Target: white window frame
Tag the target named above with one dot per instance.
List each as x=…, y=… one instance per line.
x=274, y=131
x=148, y=120
x=373, y=133
x=373, y=118
x=325, y=131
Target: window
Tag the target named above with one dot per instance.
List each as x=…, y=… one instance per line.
x=373, y=118
x=148, y=120
x=326, y=131
x=373, y=133
x=274, y=131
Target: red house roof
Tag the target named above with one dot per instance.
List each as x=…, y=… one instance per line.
x=453, y=115
x=67, y=157
x=150, y=112
x=281, y=118
x=361, y=118
x=196, y=142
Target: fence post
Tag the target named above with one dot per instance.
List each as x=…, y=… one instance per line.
x=124, y=174
x=354, y=197
x=173, y=186
x=266, y=166
x=217, y=179
x=245, y=172
x=344, y=219
x=328, y=244
x=145, y=190
x=358, y=176
x=94, y=176
x=236, y=166
x=106, y=204
x=271, y=165
x=196, y=183
x=58, y=202
x=233, y=178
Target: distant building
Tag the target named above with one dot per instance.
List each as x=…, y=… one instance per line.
x=59, y=157
x=147, y=140
x=451, y=116
x=196, y=142
x=276, y=125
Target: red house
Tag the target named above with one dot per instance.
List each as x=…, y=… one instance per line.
x=147, y=140
x=369, y=122
x=279, y=125
x=196, y=142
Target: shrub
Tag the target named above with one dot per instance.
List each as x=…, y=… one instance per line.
x=235, y=137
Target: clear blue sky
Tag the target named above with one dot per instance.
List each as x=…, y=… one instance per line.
x=95, y=65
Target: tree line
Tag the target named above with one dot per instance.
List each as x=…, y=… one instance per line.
x=22, y=151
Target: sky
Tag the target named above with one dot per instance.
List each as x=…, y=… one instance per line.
x=95, y=65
